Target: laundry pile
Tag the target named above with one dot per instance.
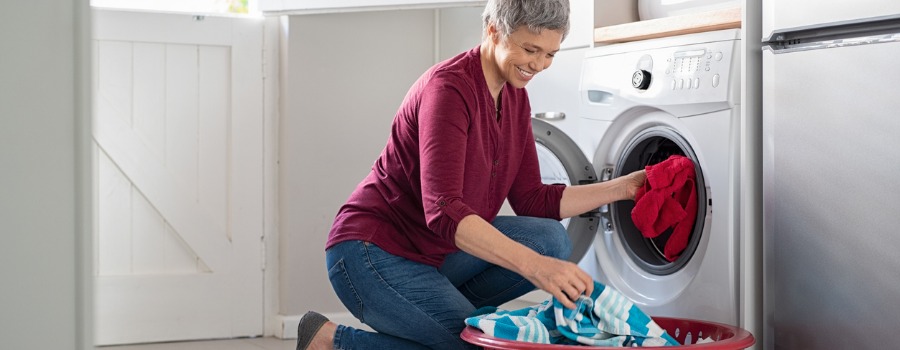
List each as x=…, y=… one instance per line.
x=668, y=199
x=605, y=318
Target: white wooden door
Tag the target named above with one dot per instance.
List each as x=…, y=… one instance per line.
x=178, y=129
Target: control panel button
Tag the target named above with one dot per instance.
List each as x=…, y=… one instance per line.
x=715, y=80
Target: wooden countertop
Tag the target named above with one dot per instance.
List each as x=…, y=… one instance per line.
x=669, y=26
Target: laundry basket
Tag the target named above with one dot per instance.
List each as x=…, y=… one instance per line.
x=686, y=331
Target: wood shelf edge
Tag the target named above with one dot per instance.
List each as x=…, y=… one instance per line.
x=669, y=26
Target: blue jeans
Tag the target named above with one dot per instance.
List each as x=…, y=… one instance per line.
x=411, y=305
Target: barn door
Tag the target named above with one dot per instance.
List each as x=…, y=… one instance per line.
x=178, y=130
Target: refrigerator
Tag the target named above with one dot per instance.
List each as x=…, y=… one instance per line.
x=831, y=174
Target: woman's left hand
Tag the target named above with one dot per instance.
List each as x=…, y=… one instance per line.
x=562, y=279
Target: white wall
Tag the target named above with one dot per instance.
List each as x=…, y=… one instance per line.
x=344, y=76
x=613, y=12
x=44, y=193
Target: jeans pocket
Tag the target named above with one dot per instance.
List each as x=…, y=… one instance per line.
x=344, y=289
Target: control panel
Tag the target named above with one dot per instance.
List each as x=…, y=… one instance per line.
x=682, y=75
x=693, y=69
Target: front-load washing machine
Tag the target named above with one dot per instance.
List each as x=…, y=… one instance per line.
x=642, y=102
x=562, y=149
x=560, y=140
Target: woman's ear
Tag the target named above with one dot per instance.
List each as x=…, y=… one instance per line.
x=493, y=33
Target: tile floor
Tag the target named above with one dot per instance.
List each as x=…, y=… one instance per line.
x=267, y=343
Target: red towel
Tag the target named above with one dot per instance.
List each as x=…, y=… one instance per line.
x=667, y=199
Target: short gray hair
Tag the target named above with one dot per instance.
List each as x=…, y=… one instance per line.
x=536, y=15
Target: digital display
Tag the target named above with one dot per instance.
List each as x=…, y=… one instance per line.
x=691, y=53
x=686, y=62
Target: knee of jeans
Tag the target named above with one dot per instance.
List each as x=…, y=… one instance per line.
x=556, y=240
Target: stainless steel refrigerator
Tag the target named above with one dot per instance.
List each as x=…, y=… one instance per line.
x=831, y=174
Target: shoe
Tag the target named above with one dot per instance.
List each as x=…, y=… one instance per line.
x=310, y=324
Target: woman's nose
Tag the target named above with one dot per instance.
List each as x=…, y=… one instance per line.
x=540, y=63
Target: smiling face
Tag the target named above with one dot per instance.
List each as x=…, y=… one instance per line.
x=522, y=54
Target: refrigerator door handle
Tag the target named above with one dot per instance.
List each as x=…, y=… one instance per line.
x=849, y=33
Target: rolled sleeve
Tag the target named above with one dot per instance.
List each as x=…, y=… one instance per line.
x=450, y=211
x=444, y=118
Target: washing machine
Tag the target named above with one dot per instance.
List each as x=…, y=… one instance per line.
x=642, y=102
x=563, y=150
x=636, y=104
x=562, y=145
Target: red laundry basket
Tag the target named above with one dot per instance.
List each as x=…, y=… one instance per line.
x=685, y=331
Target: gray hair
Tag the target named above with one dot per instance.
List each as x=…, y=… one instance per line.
x=536, y=15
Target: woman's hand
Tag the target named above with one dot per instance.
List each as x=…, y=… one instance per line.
x=632, y=182
x=581, y=198
x=563, y=279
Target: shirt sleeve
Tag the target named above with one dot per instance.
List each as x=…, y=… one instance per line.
x=529, y=196
x=444, y=117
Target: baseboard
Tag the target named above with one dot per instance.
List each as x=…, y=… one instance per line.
x=289, y=323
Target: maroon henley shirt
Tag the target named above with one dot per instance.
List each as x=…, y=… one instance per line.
x=447, y=157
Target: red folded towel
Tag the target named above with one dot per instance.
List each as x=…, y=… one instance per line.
x=667, y=199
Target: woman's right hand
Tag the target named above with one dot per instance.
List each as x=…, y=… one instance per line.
x=562, y=279
x=634, y=181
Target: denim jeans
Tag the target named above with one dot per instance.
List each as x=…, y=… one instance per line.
x=411, y=305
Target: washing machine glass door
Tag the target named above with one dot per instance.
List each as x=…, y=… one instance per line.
x=562, y=162
x=651, y=146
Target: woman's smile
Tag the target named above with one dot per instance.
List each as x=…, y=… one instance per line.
x=526, y=75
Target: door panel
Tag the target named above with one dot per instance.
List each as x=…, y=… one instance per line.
x=786, y=14
x=178, y=131
x=831, y=159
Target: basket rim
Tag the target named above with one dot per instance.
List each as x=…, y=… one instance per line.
x=742, y=338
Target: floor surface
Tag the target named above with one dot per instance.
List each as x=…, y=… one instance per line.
x=271, y=343
x=267, y=343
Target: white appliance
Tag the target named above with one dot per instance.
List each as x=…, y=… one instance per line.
x=654, y=9
x=641, y=102
x=563, y=151
x=831, y=157
x=560, y=139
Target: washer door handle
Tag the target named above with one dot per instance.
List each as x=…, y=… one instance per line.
x=550, y=115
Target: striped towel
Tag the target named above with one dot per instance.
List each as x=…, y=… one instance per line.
x=606, y=318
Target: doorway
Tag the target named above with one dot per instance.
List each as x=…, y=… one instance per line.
x=179, y=139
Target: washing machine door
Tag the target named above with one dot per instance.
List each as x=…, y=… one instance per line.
x=648, y=147
x=562, y=162
x=634, y=264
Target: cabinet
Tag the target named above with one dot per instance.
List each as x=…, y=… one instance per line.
x=581, y=24
x=581, y=18
x=321, y=6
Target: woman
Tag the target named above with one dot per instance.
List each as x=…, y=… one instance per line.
x=418, y=246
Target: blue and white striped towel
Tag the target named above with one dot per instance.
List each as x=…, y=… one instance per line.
x=606, y=318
